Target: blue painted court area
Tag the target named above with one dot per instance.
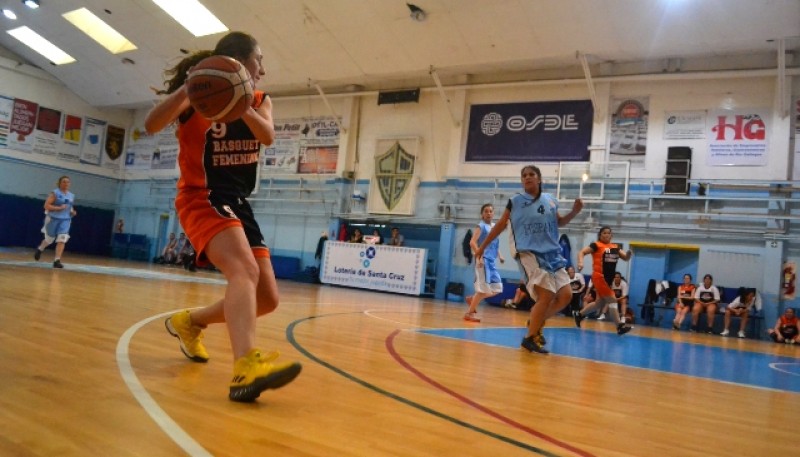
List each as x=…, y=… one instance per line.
x=721, y=364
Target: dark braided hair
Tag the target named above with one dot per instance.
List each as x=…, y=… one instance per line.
x=599, y=232
x=536, y=170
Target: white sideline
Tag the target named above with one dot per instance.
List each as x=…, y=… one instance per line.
x=169, y=426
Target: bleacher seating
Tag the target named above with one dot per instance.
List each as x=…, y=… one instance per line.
x=455, y=291
x=138, y=247
x=285, y=267
x=119, y=245
x=659, y=312
x=130, y=246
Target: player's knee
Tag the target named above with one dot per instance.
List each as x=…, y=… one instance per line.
x=613, y=305
x=266, y=305
x=267, y=298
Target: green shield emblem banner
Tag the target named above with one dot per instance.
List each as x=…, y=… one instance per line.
x=394, y=171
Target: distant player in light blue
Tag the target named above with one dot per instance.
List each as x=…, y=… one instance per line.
x=487, y=279
x=59, y=209
x=534, y=222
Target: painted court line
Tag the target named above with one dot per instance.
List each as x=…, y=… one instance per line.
x=118, y=271
x=780, y=367
x=438, y=386
x=290, y=336
x=169, y=426
x=411, y=326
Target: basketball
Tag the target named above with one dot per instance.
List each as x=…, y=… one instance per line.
x=220, y=89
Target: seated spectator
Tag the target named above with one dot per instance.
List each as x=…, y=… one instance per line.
x=601, y=314
x=588, y=302
x=630, y=317
x=620, y=288
x=189, y=258
x=357, y=236
x=519, y=293
x=685, y=301
x=706, y=298
x=397, y=239
x=184, y=253
x=521, y=298
x=589, y=298
x=179, y=247
x=787, y=328
x=740, y=307
x=578, y=285
x=169, y=253
x=120, y=228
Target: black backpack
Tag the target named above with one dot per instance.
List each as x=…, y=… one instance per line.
x=466, y=247
x=648, y=313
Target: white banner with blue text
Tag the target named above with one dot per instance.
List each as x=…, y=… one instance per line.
x=377, y=267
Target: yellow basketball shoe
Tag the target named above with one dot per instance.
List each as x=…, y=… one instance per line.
x=190, y=336
x=539, y=337
x=256, y=372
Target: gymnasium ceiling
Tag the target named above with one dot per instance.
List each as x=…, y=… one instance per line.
x=352, y=45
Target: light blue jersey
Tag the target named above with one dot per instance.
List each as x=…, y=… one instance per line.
x=62, y=198
x=534, y=226
x=489, y=253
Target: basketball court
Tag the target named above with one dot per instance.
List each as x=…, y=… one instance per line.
x=89, y=370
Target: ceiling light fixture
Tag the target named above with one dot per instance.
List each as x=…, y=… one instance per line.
x=99, y=31
x=32, y=4
x=40, y=44
x=193, y=16
x=9, y=14
x=417, y=13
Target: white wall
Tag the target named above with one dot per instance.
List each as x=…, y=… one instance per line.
x=443, y=143
x=708, y=95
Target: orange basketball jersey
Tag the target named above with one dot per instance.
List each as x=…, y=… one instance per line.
x=222, y=157
x=604, y=259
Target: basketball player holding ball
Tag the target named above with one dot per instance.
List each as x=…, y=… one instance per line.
x=218, y=170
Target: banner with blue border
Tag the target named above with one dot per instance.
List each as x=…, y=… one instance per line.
x=377, y=267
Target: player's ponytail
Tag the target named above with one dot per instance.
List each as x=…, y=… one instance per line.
x=177, y=74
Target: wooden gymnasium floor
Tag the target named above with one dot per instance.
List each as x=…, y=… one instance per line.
x=88, y=369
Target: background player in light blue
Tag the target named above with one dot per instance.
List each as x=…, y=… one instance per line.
x=59, y=210
x=487, y=279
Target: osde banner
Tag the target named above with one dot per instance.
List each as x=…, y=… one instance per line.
x=530, y=132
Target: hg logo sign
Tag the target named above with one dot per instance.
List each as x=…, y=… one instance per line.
x=492, y=123
x=744, y=127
